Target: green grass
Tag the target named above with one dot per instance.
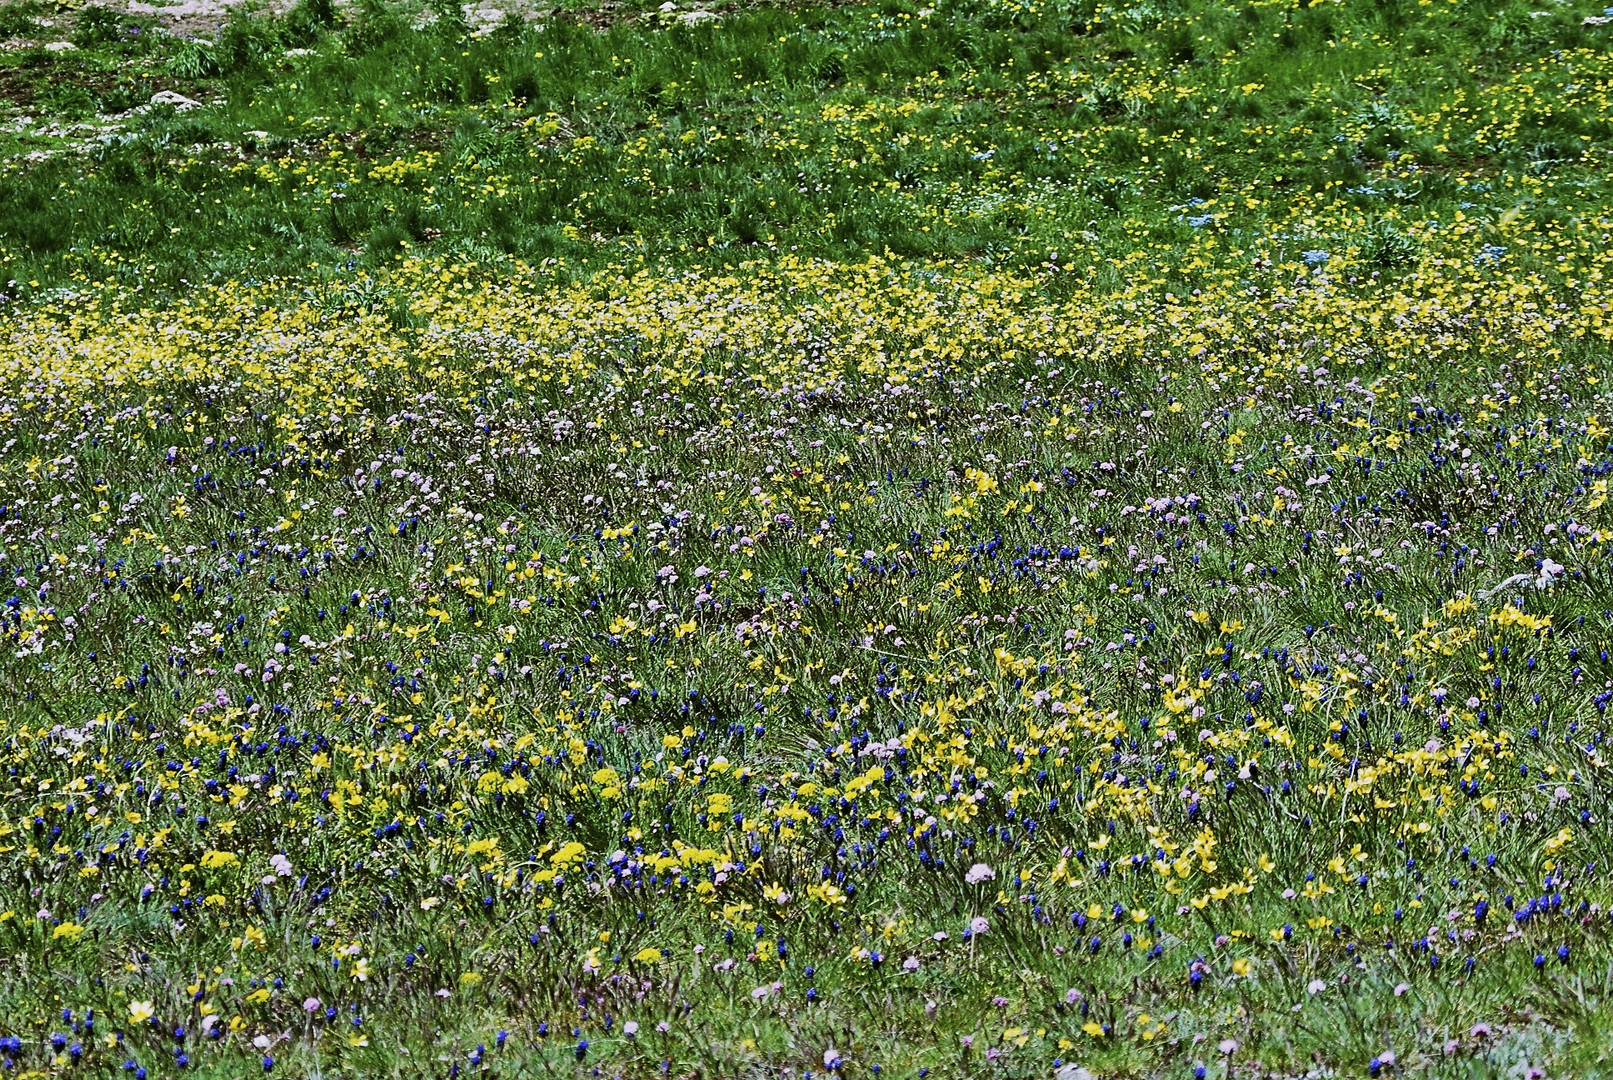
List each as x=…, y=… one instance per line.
x=602, y=521
x=972, y=133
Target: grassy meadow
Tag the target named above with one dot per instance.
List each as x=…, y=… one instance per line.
x=1006, y=538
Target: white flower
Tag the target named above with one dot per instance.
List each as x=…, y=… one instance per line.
x=1549, y=572
x=979, y=872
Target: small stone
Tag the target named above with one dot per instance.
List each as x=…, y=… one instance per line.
x=171, y=97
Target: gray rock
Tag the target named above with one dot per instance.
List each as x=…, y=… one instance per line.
x=172, y=97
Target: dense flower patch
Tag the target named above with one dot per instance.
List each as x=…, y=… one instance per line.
x=1062, y=556
x=836, y=645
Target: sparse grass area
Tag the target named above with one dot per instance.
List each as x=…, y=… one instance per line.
x=966, y=132
x=830, y=540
